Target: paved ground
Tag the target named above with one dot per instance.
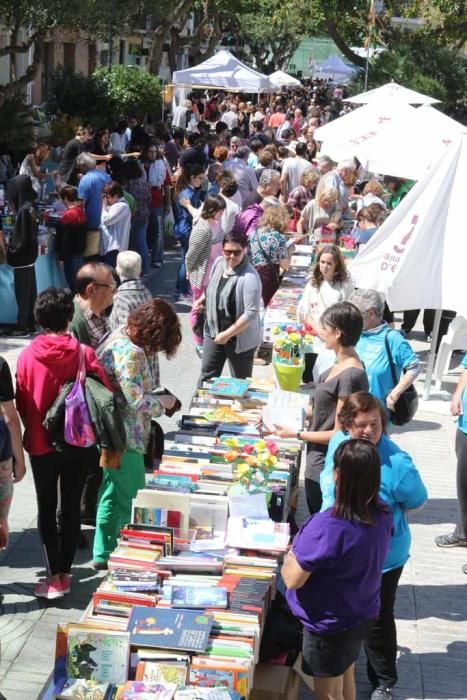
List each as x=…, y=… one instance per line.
x=431, y=605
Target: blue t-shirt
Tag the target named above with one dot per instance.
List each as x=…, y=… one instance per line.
x=372, y=352
x=345, y=560
x=183, y=219
x=90, y=190
x=462, y=422
x=361, y=235
x=401, y=488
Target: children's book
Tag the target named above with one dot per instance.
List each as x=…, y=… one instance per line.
x=98, y=655
x=162, y=672
x=169, y=629
x=139, y=690
x=199, y=597
x=80, y=689
x=229, y=387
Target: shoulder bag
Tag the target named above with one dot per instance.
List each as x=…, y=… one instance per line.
x=407, y=403
x=268, y=258
x=78, y=430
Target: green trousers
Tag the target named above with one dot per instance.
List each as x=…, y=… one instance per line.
x=118, y=488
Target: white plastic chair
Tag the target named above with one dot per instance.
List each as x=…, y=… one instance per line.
x=455, y=339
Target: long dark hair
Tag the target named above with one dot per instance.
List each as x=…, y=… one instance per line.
x=358, y=469
x=340, y=274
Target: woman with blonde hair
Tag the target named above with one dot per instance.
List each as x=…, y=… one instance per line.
x=268, y=249
x=372, y=194
x=321, y=217
x=301, y=195
x=32, y=165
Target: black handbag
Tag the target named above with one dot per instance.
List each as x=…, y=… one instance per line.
x=198, y=327
x=407, y=403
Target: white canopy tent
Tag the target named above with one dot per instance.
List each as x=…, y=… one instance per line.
x=417, y=257
x=341, y=137
x=392, y=91
x=223, y=71
x=279, y=79
x=334, y=68
x=408, y=145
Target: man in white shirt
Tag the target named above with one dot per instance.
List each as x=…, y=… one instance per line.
x=334, y=178
x=231, y=116
x=181, y=114
x=293, y=169
x=244, y=175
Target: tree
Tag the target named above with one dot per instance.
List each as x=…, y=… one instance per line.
x=129, y=90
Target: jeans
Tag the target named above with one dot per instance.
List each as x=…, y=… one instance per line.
x=461, y=481
x=183, y=286
x=155, y=234
x=26, y=293
x=313, y=495
x=381, y=645
x=139, y=243
x=214, y=357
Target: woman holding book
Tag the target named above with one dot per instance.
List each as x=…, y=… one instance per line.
x=233, y=301
x=341, y=326
x=125, y=355
x=333, y=571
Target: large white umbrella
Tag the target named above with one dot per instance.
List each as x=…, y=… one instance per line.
x=418, y=256
x=223, y=71
x=341, y=136
x=392, y=91
x=409, y=144
x=280, y=79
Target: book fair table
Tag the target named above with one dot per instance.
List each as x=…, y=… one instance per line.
x=191, y=583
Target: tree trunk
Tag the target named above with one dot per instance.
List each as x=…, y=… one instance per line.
x=162, y=33
x=341, y=44
x=16, y=86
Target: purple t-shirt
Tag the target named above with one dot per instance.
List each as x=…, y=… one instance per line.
x=345, y=560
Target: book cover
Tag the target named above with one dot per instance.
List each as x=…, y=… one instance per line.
x=162, y=672
x=139, y=690
x=80, y=689
x=98, y=655
x=230, y=387
x=170, y=629
x=200, y=597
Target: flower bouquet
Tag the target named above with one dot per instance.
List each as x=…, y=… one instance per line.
x=254, y=464
x=288, y=358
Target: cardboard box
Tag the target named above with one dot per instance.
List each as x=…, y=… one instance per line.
x=304, y=677
x=272, y=682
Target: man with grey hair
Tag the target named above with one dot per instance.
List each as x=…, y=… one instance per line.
x=336, y=178
x=90, y=191
x=268, y=187
x=376, y=341
x=132, y=292
x=243, y=174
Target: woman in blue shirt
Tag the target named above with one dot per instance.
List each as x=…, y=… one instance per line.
x=458, y=538
x=371, y=349
x=362, y=416
x=187, y=200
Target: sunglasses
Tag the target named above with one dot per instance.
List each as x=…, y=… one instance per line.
x=233, y=252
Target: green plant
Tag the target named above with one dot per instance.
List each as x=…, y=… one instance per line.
x=129, y=90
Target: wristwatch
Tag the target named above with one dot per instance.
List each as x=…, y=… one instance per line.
x=299, y=435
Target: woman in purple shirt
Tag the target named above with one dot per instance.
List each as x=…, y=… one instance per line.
x=333, y=571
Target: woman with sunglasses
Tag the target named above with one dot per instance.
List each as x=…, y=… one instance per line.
x=232, y=301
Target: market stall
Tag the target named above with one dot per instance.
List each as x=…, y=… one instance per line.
x=392, y=91
x=280, y=80
x=335, y=69
x=223, y=71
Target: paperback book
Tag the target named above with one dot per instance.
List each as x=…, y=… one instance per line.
x=170, y=629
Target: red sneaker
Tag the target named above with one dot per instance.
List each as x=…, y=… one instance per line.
x=49, y=590
x=65, y=580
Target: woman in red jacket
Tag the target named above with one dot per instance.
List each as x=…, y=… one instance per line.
x=51, y=360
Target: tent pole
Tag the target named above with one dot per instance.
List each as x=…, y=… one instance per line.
x=430, y=364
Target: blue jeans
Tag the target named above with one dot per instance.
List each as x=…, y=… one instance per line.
x=183, y=286
x=138, y=243
x=155, y=235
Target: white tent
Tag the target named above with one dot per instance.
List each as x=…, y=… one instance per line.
x=340, y=137
x=390, y=91
x=408, y=145
x=280, y=79
x=417, y=257
x=334, y=68
x=224, y=72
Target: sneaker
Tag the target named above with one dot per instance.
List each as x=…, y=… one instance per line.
x=381, y=693
x=199, y=350
x=156, y=265
x=100, y=565
x=450, y=540
x=49, y=590
x=19, y=333
x=65, y=583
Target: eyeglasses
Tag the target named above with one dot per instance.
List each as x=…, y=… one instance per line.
x=236, y=253
x=112, y=286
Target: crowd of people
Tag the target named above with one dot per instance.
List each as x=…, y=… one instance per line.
x=238, y=185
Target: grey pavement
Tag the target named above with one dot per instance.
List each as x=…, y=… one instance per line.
x=431, y=606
